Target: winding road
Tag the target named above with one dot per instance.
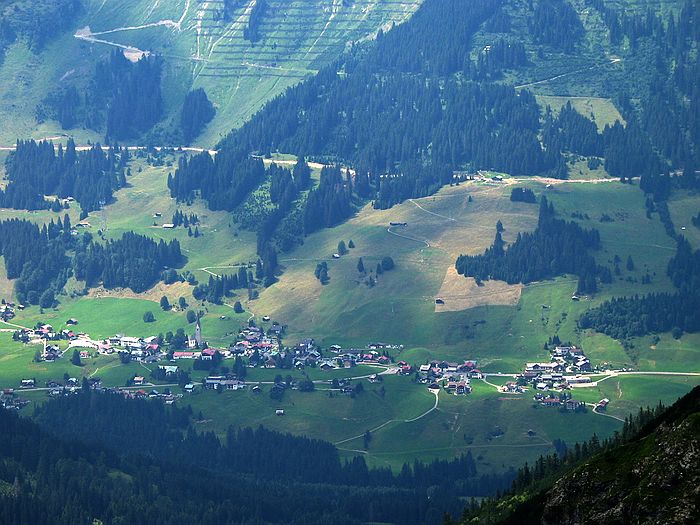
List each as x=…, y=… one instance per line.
x=436, y=393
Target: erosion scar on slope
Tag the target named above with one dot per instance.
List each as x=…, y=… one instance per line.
x=462, y=293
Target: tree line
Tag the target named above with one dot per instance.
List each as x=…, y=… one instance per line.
x=625, y=317
x=41, y=259
x=556, y=247
x=197, y=111
x=36, y=169
x=221, y=286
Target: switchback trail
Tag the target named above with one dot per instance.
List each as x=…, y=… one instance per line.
x=389, y=230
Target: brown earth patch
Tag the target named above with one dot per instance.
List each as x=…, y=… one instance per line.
x=171, y=291
x=460, y=293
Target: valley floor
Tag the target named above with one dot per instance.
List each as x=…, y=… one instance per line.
x=500, y=326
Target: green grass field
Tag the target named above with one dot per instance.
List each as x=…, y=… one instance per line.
x=17, y=363
x=6, y=285
x=601, y=110
x=402, y=428
x=684, y=205
x=628, y=393
x=104, y=317
x=221, y=244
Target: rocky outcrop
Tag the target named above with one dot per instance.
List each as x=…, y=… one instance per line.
x=655, y=480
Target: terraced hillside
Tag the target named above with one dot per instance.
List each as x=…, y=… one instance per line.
x=203, y=44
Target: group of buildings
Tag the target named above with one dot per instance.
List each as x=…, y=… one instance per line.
x=567, y=368
x=455, y=378
x=7, y=310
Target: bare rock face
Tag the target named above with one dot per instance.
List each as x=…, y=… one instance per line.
x=653, y=481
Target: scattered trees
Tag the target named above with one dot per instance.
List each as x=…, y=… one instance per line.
x=321, y=272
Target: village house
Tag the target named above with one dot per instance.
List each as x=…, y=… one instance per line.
x=544, y=367
x=208, y=354
x=602, y=404
x=511, y=387
x=326, y=365
x=574, y=405
x=577, y=380
x=185, y=355
x=549, y=401
x=223, y=383
x=6, y=312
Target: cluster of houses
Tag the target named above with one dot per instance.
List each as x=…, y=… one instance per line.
x=568, y=368
x=454, y=377
x=11, y=401
x=254, y=341
x=436, y=370
x=72, y=386
x=7, y=310
x=138, y=348
x=167, y=397
x=512, y=387
x=373, y=354
x=261, y=347
x=563, y=401
x=264, y=350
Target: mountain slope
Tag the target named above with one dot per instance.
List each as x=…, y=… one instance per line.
x=653, y=478
x=203, y=44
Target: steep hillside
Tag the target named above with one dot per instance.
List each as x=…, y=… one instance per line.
x=652, y=478
x=202, y=43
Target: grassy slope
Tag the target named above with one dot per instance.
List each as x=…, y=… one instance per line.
x=684, y=205
x=221, y=243
x=299, y=37
x=401, y=310
x=5, y=284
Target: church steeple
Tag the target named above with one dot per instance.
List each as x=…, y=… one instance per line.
x=198, y=333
